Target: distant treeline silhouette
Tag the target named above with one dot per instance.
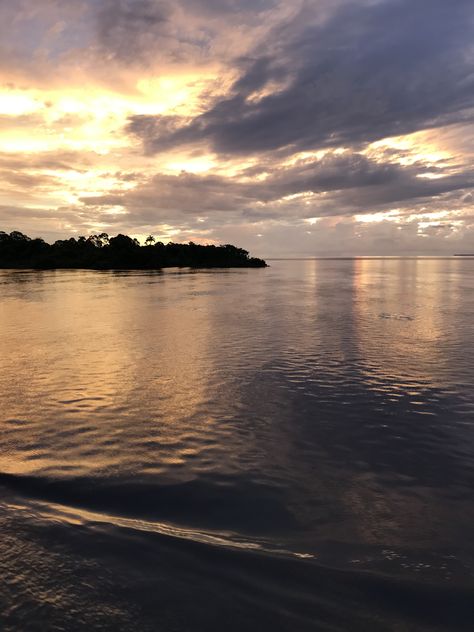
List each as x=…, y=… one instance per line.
x=102, y=252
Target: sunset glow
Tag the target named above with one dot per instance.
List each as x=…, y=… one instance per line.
x=174, y=112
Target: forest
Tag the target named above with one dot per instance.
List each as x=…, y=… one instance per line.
x=101, y=252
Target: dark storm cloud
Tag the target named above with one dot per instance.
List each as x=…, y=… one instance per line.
x=371, y=71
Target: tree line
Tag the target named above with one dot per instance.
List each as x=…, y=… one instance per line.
x=102, y=252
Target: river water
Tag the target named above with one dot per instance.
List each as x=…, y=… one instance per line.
x=290, y=448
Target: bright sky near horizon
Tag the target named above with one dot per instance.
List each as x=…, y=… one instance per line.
x=311, y=127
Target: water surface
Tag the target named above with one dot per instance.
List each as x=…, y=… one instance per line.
x=289, y=448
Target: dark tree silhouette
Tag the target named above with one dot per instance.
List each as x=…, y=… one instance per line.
x=103, y=252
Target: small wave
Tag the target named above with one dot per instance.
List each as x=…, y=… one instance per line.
x=227, y=540
x=243, y=506
x=270, y=583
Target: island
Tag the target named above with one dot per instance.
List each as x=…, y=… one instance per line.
x=101, y=252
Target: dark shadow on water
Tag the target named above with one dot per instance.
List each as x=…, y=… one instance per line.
x=93, y=576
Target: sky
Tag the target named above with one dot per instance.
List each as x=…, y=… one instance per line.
x=302, y=128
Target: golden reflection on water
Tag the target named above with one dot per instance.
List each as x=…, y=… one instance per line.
x=308, y=379
x=78, y=354
x=412, y=303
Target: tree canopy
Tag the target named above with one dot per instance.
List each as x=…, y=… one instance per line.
x=102, y=252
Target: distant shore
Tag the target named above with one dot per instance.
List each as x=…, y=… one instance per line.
x=101, y=252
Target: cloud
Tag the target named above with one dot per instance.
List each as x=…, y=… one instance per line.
x=109, y=41
x=275, y=105
x=131, y=31
x=55, y=160
x=336, y=184
x=370, y=71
